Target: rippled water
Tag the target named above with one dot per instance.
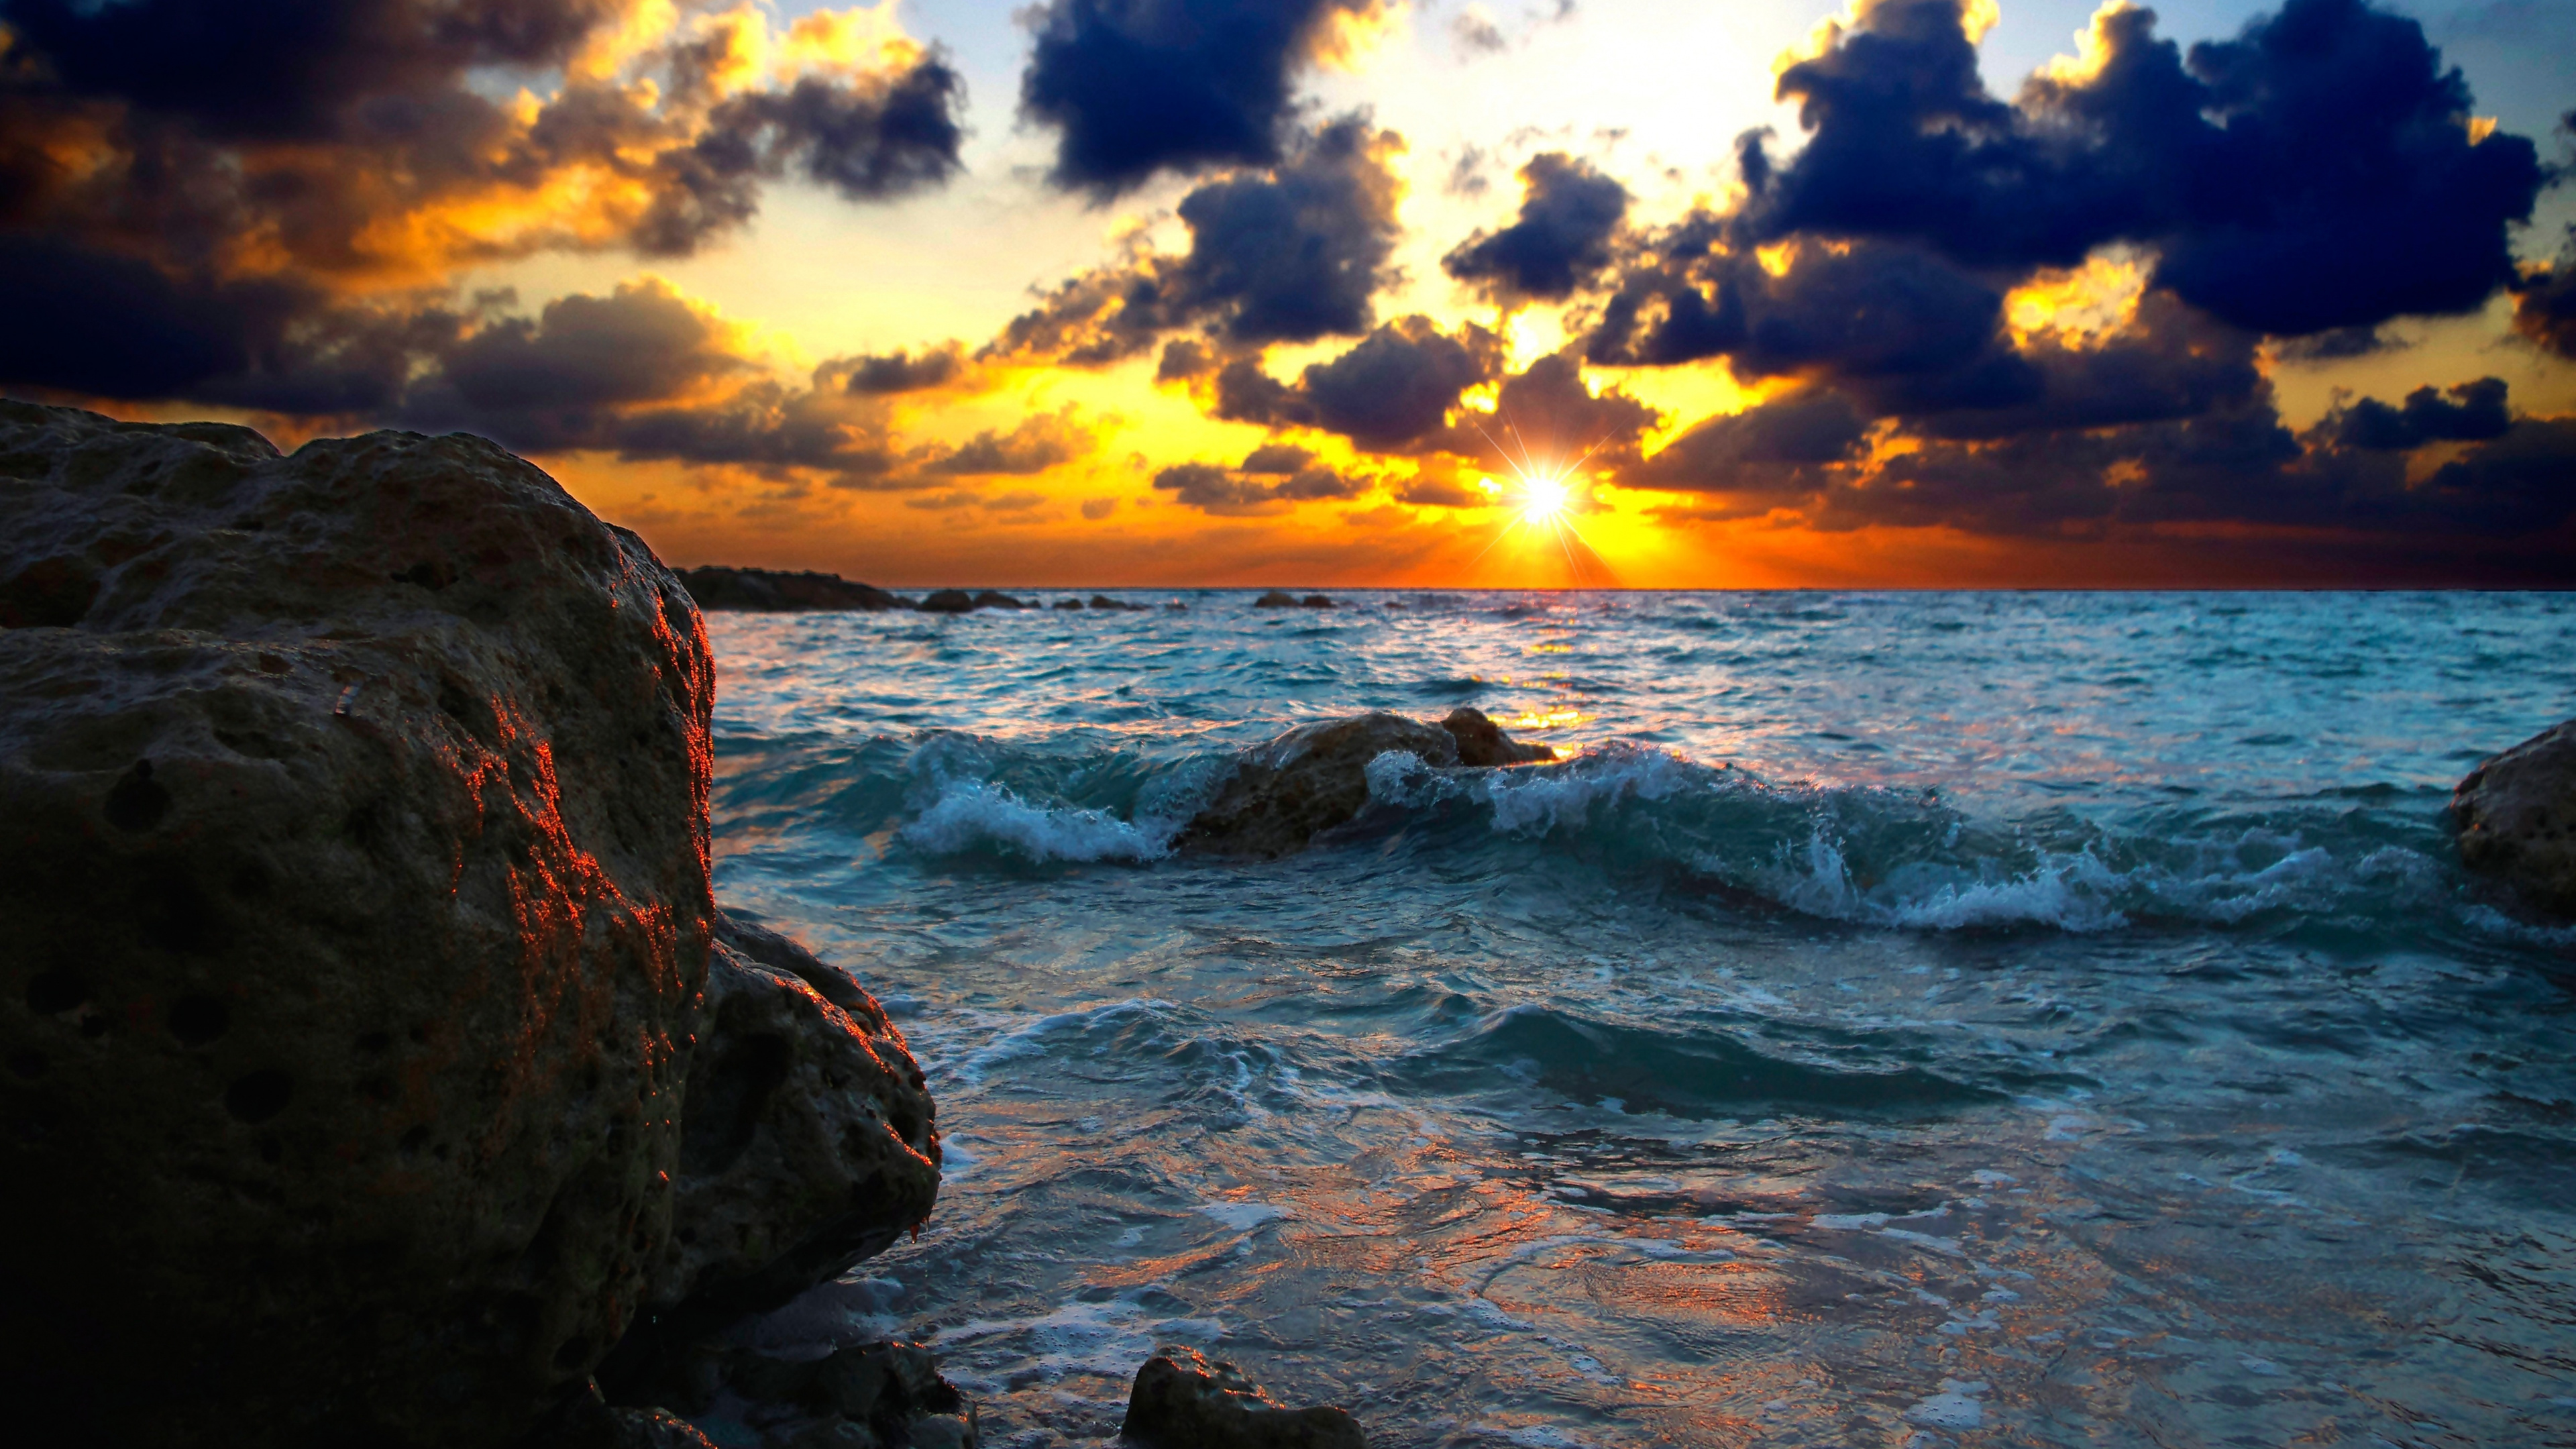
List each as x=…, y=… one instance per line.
x=1978, y=1018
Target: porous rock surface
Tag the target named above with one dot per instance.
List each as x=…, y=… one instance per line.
x=808, y=1142
x=353, y=857
x=2516, y=815
x=1181, y=1401
x=1314, y=778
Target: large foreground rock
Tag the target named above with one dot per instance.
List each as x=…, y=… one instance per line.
x=353, y=865
x=1181, y=1401
x=808, y=1142
x=1315, y=778
x=2517, y=818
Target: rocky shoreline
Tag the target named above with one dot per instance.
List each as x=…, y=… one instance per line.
x=387, y=1069
x=776, y=591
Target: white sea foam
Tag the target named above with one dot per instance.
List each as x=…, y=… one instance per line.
x=971, y=813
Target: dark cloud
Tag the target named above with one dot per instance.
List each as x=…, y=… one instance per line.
x=1562, y=239
x=1474, y=33
x=1277, y=458
x=1033, y=446
x=1395, y=388
x=901, y=372
x=271, y=198
x=1260, y=486
x=2544, y=309
x=642, y=343
x=2317, y=172
x=1781, y=447
x=1298, y=253
x=1289, y=254
x=2472, y=412
x=867, y=141
x=1545, y=417
x=1135, y=87
x=289, y=69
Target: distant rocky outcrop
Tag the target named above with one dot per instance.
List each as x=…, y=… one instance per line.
x=1315, y=777
x=1182, y=1401
x=356, y=889
x=1282, y=599
x=2516, y=815
x=775, y=591
x=958, y=601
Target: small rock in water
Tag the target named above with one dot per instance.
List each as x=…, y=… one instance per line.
x=1315, y=777
x=996, y=599
x=2517, y=818
x=1308, y=780
x=1074, y=604
x=1315, y=601
x=1482, y=742
x=1181, y=1401
x=1103, y=601
x=947, y=601
x=1276, y=599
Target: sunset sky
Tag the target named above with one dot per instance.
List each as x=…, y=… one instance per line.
x=1183, y=292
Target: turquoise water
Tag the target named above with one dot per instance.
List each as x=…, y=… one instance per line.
x=1932, y=1018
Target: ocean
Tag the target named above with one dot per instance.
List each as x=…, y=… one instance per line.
x=1902, y=1018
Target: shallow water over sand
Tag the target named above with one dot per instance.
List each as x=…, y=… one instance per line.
x=1991, y=1018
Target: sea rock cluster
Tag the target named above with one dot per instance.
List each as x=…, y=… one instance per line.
x=2516, y=815
x=1314, y=778
x=374, y=1053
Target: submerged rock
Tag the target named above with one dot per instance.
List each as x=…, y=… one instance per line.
x=2516, y=815
x=1103, y=601
x=1308, y=780
x=1181, y=1401
x=1315, y=777
x=355, y=881
x=807, y=1142
x=1482, y=742
x=777, y=591
x=1073, y=604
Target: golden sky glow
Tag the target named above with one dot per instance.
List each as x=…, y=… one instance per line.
x=1038, y=462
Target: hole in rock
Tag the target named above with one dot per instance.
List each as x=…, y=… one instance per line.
x=905, y=1124
x=259, y=1096
x=574, y=1350
x=413, y=1141
x=197, y=1020
x=93, y=1024
x=55, y=593
x=251, y=881
x=52, y=993
x=28, y=1063
x=428, y=574
x=136, y=802
x=375, y=1041
x=379, y=1089
x=724, y=1113
x=173, y=914
x=270, y=1152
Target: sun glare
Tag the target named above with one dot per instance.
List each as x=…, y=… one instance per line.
x=1542, y=499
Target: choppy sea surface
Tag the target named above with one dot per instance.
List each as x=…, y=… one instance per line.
x=1904, y=1019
